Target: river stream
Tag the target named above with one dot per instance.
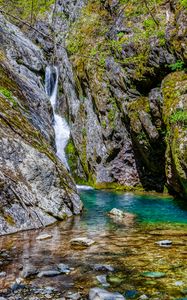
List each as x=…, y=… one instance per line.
x=131, y=249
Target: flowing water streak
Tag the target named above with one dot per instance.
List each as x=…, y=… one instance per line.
x=84, y=187
x=61, y=128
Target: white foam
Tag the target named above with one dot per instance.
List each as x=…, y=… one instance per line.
x=84, y=187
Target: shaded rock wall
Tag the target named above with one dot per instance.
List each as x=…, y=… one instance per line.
x=120, y=54
x=35, y=188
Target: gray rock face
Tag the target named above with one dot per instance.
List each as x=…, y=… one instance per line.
x=35, y=189
x=26, y=64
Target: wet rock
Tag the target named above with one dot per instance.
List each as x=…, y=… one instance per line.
x=115, y=280
x=143, y=297
x=164, y=243
x=49, y=273
x=17, y=286
x=103, y=280
x=179, y=283
x=119, y=216
x=82, y=241
x=116, y=212
x=153, y=274
x=29, y=271
x=73, y=296
x=100, y=267
x=44, y=237
x=63, y=268
x=101, y=294
x=131, y=294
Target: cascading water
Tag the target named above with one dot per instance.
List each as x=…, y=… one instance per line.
x=61, y=128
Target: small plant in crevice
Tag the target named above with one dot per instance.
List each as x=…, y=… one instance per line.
x=179, y=65
x=8, y=94
x=179, y=116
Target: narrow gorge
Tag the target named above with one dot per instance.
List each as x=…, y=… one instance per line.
x=93, y=149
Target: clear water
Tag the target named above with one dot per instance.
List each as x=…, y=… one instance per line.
x=131, y=249
x=148, y=208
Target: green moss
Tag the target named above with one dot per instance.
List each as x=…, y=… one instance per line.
x=174, y=85
x=7, y=217
x=183, y=3
x=178, y=66
x=8, y=94
x=117, y=187
x=179, y=117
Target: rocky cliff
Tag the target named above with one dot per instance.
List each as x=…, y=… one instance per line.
x=35, y=188
x=123, y=90
x=127, y=111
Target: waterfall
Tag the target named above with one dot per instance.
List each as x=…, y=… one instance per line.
x=61, y=128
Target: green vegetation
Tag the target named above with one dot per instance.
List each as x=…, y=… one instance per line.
x=8, y=94
x=89, y=43
x=28, y=10
x=183, y=3
x=178, y=66
x=179, y=116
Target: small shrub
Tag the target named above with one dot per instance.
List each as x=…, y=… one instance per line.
x=178, y=66
x=179, y=117
x=183, y=3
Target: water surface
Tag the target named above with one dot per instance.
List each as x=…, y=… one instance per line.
x=130, y=249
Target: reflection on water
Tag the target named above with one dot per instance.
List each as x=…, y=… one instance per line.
x=149, y=208
x=131, y=250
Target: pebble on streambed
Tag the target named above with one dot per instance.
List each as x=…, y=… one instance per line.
x=164, y=243
x=101, y=294
x=105, y=268
x=153, y=274
x=44, y=237
x=81, y=241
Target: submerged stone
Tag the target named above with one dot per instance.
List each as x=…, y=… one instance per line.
x=143, y=297
x=63, y=268
x=73, y=296
x=29, y=271
x=179, y=283
x=101, y=294
x=82, y=241
x=115, y=279
x=164, y=243
x=153, y=274
x=49, y=273
x=102, y=279
x=116, y=212
x=99, y=267
x=131, y=294
x=44, y=237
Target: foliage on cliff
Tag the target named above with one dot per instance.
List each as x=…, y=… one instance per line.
x=28, y=10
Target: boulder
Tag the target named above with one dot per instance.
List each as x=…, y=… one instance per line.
x=119, y=216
